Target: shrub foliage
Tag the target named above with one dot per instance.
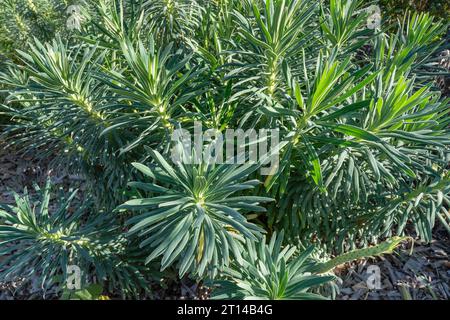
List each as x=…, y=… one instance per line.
x=364, y=130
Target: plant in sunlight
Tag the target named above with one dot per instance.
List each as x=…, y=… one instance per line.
x=271, y=271
x=21, y=20
x=63, y=237
x=364, y=133
x=196, y=220
x=268, y=271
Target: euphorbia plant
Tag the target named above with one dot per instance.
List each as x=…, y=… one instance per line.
x=365, y=133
